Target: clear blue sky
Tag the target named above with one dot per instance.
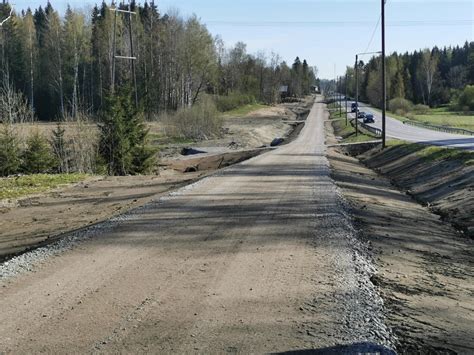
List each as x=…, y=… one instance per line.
x=325, y=32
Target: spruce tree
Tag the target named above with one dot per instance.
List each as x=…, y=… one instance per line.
x=10, y=157
x=37, y=157
x=123, y=137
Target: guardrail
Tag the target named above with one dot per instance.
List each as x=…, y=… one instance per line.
x=440, y=128
x=375, y=131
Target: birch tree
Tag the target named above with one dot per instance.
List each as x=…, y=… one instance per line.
x=429, y=65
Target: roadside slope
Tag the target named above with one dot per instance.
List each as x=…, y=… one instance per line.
x=425, y=267
x=442, y=179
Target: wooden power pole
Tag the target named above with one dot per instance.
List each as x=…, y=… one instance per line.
x=131, y=57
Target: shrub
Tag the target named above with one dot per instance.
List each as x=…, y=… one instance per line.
x=82, y=143
x=400, y=106
x=37, y=157
x=201, y=121
x=60, y=149
x=400, y=112
x=10, y=158
x=466, y=99
x=421, y=109
x=233, y=101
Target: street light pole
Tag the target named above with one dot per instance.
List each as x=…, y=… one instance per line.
x=384, y=83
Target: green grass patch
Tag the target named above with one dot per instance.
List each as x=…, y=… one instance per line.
x=244, y=110
x=433, y=153
x=440, y=116
x=14, y=187
x=348, y=132
x=159, y=140
x=449, y=119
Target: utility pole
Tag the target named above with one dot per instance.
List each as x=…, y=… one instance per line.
x=131, y=57
x=132, y=52
x=114, y=48
x=357, y=93
x=345, y=82
x=340, y=96
x=384, y=83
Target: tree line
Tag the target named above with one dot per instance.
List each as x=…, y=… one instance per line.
x=431, y=77
x=62, y=68
x=63, y=65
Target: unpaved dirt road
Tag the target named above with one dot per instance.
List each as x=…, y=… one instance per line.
x=260, y=257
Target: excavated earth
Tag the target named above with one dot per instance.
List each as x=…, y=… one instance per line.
x=425, y=266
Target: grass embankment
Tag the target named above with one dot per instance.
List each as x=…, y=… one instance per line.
x=436, y=176
x=440, y=116
x=348, y=133
x=18, y=186
x=443, y=117
x=432, y=153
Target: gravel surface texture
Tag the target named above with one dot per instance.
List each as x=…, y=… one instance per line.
x=260, y=257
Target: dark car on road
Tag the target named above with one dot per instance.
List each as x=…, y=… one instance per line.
x=369, y=118
x=361, y=115
x=354, y=107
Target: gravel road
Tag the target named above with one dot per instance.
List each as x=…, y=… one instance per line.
x=260, y=257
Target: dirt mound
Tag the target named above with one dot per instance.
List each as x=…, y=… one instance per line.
x=212, y=162
x=441, y=179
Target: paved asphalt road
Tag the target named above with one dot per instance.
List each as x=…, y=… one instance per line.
x=259, y=258
x=396, y=129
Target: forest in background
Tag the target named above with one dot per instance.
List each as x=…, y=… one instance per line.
x=63, y=65
x=429, y=77
x=61, y=68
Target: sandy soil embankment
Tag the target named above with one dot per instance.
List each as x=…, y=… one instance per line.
x=424, y=265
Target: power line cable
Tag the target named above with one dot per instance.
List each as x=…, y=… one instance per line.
x=375, y=30
x=373, y=34
x=420, y=23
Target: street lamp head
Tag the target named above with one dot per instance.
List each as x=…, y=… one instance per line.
x=368, y=53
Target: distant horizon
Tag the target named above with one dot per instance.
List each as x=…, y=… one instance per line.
x=311, y=29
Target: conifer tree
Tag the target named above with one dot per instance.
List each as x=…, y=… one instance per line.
x=10, y=158
x=123, y=137
x=37, y=157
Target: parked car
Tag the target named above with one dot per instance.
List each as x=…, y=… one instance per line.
x=361, y=115
x=354, y=107
x=369, y=118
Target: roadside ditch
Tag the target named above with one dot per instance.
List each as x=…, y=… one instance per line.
x=424, y=260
